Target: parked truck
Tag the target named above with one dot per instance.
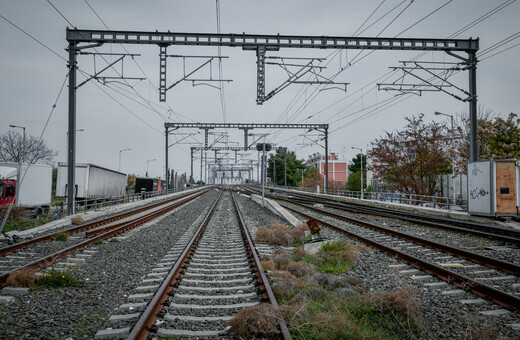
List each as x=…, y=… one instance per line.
x=146, y=184
x=91, y=181
x=35, y=190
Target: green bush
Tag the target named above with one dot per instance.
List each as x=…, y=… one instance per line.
x=57, y=279
x=61, y=236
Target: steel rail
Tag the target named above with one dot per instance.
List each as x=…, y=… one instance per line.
x=146, y=321
x=480, y=259
x=53, y=258
x=14, y=247
x=259, y=271
x=119, y=227
x=499, y=297
x=478, y=229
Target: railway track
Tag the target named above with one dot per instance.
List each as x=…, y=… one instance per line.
x=211, y=274
x=498, y=283
x=44, y=251
x=477, y=229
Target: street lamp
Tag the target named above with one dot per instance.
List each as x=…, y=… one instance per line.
x=119, y=168
x=148, y=162
x=20, y=161
x=361, y=151
x=437, y=113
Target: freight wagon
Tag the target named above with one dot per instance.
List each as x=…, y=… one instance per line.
x=92, y=181
x=145, y=184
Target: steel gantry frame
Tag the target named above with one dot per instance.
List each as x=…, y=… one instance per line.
x=246, y=127
x=261, y=44
x=215, y=148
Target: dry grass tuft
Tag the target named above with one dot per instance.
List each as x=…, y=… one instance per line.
x=298, y=254
x=281, y=235
x=22, y=278
x=280, y=259
x=77, y=220
x=261, y=320
x=403, y=302
x=285, y=285
x=267, y=264
x=301, y=269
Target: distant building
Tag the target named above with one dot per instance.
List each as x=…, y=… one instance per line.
x=337, y=168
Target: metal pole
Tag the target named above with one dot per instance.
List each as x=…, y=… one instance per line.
x=274, y=169
x=191, y=173
x=474, y=152
x=263, y=173
x=362, y=174
x=201, y=159
x=71, y=152
x=166, y=160
x=285, y=167
x=326, y=160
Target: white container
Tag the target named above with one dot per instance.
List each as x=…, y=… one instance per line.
x=35, y=189
x=92, y=181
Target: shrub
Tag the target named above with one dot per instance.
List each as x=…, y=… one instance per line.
x=285, y=285
x=57, y=279
x=22, y=278
x=280, y=259
x=267, y=264
x=61, y=236
x=301, y=269
x=77, y=220
x=279, y=234
x=260, y=320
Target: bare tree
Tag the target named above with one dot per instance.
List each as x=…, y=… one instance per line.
x=13, y=149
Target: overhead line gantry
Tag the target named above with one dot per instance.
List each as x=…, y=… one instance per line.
x=261, y=44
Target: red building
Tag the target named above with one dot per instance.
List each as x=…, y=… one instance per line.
x=337, y=168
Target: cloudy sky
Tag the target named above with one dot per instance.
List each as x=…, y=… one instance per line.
x=121, y=114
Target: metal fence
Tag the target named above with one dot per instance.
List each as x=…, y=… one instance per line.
x=96, y=203
x=456, y=204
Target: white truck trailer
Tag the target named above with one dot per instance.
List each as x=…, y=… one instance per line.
x=92, y=181
x=35, y=190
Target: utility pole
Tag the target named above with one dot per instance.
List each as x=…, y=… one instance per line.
x=71, y=152
x=285, y=167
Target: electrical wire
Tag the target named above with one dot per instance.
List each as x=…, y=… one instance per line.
x=33, y=38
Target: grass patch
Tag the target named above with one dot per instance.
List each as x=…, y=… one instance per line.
x=98, y=243
x=318, y=305
x=18, y=219
x=336, y=257
x=114, y=240
x=281, y=235
x=57, y=279
x=61, y=236
x=256, y=321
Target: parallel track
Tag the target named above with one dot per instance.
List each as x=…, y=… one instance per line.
x=100, y=234
x=500, y=297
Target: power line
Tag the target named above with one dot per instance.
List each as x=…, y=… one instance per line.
x=33, y=38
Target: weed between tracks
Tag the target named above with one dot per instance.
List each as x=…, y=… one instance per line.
x=317, y=303
x=50, y=279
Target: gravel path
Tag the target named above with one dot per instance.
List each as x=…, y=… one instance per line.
x=112, y=271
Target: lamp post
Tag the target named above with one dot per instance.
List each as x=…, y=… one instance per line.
x=361, y=151
x=437, y=113
x=148, y=162
x=20, y=161
x=119, y=168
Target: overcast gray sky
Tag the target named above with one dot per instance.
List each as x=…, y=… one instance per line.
x=116, y=116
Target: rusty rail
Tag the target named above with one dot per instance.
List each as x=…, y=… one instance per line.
x=147, y=319
x=499, y=297
x=507, y=267
x=55, y=257
x=14, y=247
x=259, y=271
